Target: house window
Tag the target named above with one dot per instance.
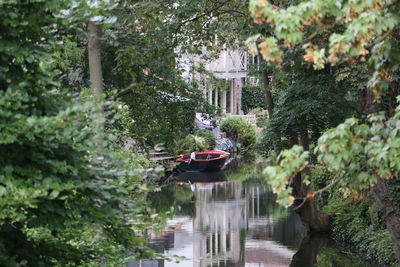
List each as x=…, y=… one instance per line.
x=255, y=61
x=243, y=60
x=254, y=64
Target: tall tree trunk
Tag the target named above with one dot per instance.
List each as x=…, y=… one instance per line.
x=312, y=218
x=268, y=95
x=96, y=76
x=269, y=101
x=390, y=213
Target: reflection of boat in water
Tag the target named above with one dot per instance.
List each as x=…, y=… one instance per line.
x=201, y=177
x=213, y=160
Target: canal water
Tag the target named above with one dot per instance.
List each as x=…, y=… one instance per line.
x=230, y=218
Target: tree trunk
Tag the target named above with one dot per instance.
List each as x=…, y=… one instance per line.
x=269, y=101
x=268, y=95
x=312, y=218
x=95, y=72
x=390, y=213
x=369, y=105
x=96, y=76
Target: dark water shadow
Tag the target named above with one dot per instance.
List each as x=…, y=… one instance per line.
x=321, y=250
x=201, y=177
x=310, y=246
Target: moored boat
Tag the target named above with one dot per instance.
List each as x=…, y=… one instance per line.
x=212, y=160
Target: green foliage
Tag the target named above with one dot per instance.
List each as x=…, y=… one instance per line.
x=311, y=103
x=279, y=177
x=53, y=180
x=253, y=97
x=63, y=201
x=208, y=136
x=330, y=257
x=320, y=178
x=344, y=34
x=394, y=187
x=153, y=119
x=363, y=151
x=139, y=59
x=135, y=160
x=358, y=154
x=353, y=225
x=261, y=116
x=356, y=222
x=239, y=130
x=332, y=33
x=190, y=144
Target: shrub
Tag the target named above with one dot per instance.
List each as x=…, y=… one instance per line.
x=208, y=136
x=239, y=130
x=65, y=199
x=252, y=97
x=356, y=223
x=354, y=226
x=135, y=160
x=261, y=116
x=189, y=144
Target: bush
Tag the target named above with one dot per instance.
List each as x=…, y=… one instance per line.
x=261, y=116
x=239, y=130
x=208, y=136
x=252, y=97
x=354, y=226
x=65, y=199
x=189, y=144
x=320, y=178
x=135, y=160
x=356, y=223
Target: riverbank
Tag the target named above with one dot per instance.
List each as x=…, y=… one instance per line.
x=356, y=222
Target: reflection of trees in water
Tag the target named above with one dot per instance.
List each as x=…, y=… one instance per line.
x=319, y=250
x=178, y=196
x=225, y=215
x=239, y=222
x=289, y=231
x=220, y=216
x=283, y=226
x=309, y=248
x=244, y=169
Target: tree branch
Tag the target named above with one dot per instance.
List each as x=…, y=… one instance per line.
x=206, y=13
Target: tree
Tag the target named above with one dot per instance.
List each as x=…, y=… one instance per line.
x=362, y=155
x=94, y=54
x=140, y=54
x=62, y=202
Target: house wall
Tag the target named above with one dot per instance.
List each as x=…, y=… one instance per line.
x=231, y=65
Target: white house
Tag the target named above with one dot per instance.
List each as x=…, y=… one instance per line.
x=231, y=66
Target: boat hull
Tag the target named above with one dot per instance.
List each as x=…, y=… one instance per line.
x=213, y=160
x=202, y=166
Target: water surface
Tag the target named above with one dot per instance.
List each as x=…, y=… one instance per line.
x=231, y=219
